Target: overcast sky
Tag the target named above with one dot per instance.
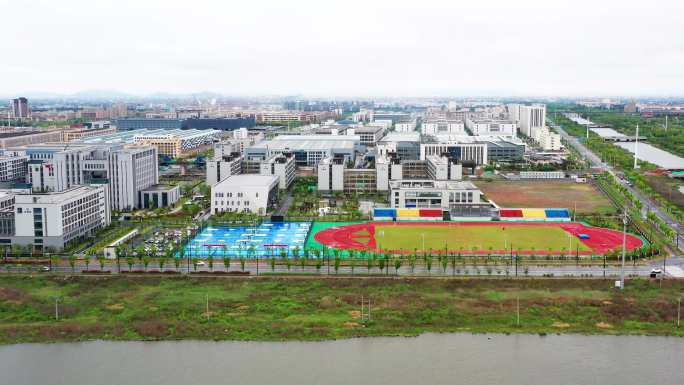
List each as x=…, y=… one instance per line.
x=344, y=48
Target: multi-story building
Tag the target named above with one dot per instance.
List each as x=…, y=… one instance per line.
x=461, y=199
x=15, y=137
x=281, y=165
x=475, y=152
x=405, y=126
x=331, y=174
x=389, y=115
x=443, y=126
x=13, y=167
x=405, y=145
x=369, y=135
x=222, y=166
x=245, y=193
x=158, y=196
x=547, y=140
x=334, y=176
x=126, y=169
x=19, y=108
x=491, y=127
x=443, y=168
x=85, y=132
x=284, y=116
x=308, y=150
x=6, y=217
x=169, y=142
x=57, y=219
x=531, y=118
x=224, y=124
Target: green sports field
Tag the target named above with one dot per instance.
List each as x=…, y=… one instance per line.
x=481, y=238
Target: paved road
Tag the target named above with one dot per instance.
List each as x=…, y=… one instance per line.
x=500, y=270
x=648, y=204
x=285, y=207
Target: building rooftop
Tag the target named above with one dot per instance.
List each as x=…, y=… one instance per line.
x=131, y=136
x=465, y=139
x=160, y=187
x=54, y=197
x=432, y=184
x=309, y=142
x=249, y=180
x=401, y=137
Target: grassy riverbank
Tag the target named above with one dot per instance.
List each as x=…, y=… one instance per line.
x=152, y=308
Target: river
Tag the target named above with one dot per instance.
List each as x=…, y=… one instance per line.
x=429, y=359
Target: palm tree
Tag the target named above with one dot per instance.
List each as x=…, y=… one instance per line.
x=177, y=263
x=210, y=261
x=162, y=262
x=130, y=261
x=87, y=261
x=242, y=263
x=428, y=264
x=226, y=262
x=146, y=261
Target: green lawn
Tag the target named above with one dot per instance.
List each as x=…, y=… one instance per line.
x=134, y=308
x=526, y=238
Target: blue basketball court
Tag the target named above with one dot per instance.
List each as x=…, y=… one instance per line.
x=264, y=240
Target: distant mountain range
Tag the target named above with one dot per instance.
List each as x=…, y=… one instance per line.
x=110, y=95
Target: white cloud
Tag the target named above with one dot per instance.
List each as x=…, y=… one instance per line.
x=350, y=47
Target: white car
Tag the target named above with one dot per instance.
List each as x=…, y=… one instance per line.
x=45, y=268
x=200, y=263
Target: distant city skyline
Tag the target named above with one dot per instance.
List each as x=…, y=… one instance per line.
x=344, y=49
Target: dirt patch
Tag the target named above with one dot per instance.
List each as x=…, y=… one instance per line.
x=151, y=328
x=539, y=194
x=11, y=294
x=351, y=325
x=327, y=302
x=604, y=325
x=115, y=307
x=561, y=325
x=355, y=314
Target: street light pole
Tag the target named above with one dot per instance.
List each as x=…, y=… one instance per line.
x=624, y=250
x=636, y=147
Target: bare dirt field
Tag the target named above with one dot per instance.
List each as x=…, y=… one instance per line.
x=547, y=193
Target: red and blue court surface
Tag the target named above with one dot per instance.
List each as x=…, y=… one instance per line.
x=363, y=236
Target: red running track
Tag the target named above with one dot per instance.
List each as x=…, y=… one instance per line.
x=349, y=237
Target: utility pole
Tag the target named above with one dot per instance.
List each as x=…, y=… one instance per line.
x=56, y=308
x=679, y=310
x=207, y=306
x=587, y=129
x=636, y=147
x=517, y=323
